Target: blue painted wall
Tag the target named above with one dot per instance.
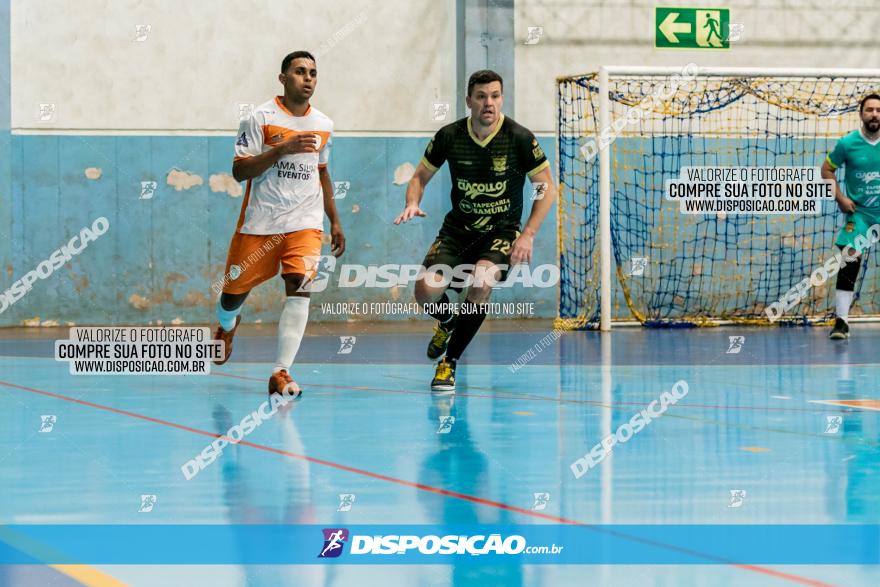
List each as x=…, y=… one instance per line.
x=5, y=145
x=161, y=255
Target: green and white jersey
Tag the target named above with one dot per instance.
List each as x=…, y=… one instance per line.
x=861, y=160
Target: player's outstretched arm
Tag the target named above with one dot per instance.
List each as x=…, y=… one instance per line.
x=545, y=197
x=845, y=204
x=245, y=168
x=415, y=189
x=337, y=237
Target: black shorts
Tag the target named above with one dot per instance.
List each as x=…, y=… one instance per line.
x=454, y=247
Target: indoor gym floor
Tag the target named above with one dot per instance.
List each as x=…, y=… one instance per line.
x=368, y=426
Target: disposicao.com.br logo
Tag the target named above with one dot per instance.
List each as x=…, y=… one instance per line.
x=334, y=540
x=351, y=275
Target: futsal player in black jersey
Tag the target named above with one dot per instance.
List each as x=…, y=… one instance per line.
x=490, y=157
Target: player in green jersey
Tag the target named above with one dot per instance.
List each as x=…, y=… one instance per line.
x=859, y=153
x=490, y=157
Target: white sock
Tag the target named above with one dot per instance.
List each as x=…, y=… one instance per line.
x=291, y=327
x=843, y=300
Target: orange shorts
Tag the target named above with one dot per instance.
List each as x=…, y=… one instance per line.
x=254, y=258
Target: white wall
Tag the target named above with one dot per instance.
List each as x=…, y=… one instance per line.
x=381, y=66
x=581, y=35
x=383, y=63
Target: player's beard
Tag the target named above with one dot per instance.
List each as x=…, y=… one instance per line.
x=872, y=126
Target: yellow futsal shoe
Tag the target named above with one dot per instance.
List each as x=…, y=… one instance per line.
x=440, y=340
x=444, y=378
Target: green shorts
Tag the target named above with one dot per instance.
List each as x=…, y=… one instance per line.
x=857, y=224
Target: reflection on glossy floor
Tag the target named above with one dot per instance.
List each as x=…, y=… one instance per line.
x=748, y=444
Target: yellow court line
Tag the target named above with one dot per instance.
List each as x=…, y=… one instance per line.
x=84, y=574
x=89, y=576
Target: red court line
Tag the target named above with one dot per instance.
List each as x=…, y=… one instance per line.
x=429, y=488
x=541, y=399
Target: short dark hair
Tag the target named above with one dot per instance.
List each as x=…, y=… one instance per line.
x=285, y=63
x=865, y=99
x=484, y=76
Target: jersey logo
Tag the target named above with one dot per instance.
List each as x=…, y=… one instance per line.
x=499, y=164
x=482, y=223
x=472, y=189
x=537, y=151
x=850, y=226
x=868, y=176
x=242, y=140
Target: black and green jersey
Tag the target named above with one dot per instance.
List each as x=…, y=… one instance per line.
x=487, y=176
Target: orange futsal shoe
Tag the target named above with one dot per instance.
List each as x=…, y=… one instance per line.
x=282, y=383
x=226, y=337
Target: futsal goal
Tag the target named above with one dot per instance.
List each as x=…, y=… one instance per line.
x=627, y=253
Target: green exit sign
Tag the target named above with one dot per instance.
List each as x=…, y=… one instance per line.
x=692, y=28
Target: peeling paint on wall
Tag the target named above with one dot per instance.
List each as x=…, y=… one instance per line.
x=166, y=258
x=223, y=182
x=36, y=323
x=196, y=299
x=138, y=302
x=403, y=173
x=82, y=283
x=183, y=180
x=94, y=172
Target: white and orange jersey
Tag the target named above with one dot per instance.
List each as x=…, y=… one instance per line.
x=287, y=196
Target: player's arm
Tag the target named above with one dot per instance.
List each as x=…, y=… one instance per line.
x=545, y=197
x=435, y=156
x=829, y=166
x=415, y=190
x=251, y=166
x=337, y=237
x=534, y=163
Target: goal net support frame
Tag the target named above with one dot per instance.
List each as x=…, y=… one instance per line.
x=602, y=119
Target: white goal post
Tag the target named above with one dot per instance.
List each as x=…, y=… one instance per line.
x=605, y=92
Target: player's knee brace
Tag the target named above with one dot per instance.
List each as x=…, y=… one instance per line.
x=849, y=272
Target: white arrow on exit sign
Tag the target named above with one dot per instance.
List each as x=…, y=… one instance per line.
x=669, y=27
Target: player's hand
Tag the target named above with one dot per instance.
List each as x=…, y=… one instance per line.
x=846, y=205
x=337, y=240
x=521, y=251
x=300, y=143
x=409, y=212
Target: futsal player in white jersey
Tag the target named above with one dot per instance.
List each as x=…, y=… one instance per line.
x=282, y=151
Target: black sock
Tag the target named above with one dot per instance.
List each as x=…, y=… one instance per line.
x=444, y=313
x=848, y=275
x=466, y=326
